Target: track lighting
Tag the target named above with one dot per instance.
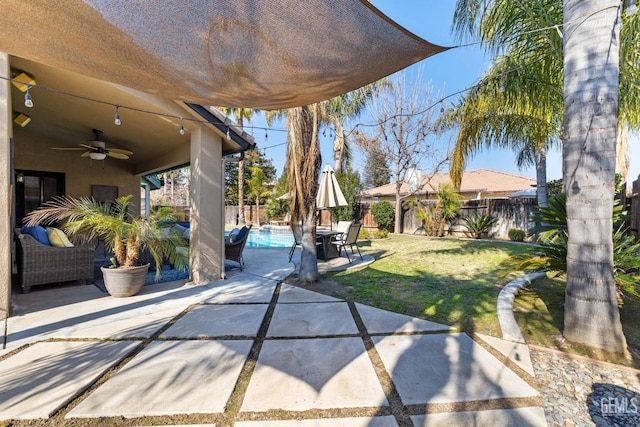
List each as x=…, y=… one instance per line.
x=117, y=117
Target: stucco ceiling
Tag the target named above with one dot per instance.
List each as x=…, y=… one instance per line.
x=66, y=110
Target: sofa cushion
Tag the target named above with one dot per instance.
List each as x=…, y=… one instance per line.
x=38, y=233
x=58, y=238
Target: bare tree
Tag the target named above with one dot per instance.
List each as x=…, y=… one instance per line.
x=405, y=123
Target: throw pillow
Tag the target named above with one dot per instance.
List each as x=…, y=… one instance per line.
x=58, y=239
x=233, y=235
x=38, y=233
x=241, y=234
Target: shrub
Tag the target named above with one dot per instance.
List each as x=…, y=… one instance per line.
x=479, y=223
x=381, y=234
x=363, y=234
x=516, y=234
x=553, y=236
x=383, y=214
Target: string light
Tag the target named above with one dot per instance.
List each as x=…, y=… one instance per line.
x=28, y=102
x=228, y=134
x=116, y=118
x=266, y=136
x=181, y=127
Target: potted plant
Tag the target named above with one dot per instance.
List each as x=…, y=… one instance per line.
x=124, y=234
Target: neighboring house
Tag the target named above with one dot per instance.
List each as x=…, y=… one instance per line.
x=476, y=184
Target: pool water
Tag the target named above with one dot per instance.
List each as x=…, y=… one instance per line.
x=268, y=239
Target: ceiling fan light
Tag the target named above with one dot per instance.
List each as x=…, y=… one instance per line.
x=97, y=156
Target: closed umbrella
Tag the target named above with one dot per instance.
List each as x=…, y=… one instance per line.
x=329, y=194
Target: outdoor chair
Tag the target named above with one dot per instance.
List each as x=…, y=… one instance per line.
x=297, y=241
x=350, y=239
x=39, y=264
x=341, y=229
x=233, y=250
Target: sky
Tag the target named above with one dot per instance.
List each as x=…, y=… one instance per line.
x=447, y=73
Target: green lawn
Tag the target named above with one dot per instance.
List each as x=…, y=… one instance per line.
x=450, y=281
x=539, y=311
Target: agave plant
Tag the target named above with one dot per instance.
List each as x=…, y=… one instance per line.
x=124, y=234
x=479, y=223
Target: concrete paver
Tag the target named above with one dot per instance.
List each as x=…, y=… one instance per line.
x=293, y=294
x=379, y=321
x=320, y=373
x=312, y=319
x=517, y=352
x=169, y=378
x=254, y=290
x=218, y=321
x=458, y=369
x=41, y=379
x=530, y=417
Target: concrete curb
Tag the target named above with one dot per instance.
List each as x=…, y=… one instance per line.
x=508, y=325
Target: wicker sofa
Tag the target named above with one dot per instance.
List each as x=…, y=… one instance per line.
x=39, y=264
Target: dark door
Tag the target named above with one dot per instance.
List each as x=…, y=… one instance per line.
x=33, y=188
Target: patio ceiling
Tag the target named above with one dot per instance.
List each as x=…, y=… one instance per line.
x=265, y=54
x=154, y=139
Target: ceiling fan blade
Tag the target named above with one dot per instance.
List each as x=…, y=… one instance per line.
x=121, y=156
x=120, y=151
x=89, y=147
x=85, y=154
x=67, y=148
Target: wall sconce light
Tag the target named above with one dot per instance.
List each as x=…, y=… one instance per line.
x=20, y=177
x=23, y=81
x=21, y=120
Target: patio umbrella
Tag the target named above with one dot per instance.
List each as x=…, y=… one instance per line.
x=329, y=194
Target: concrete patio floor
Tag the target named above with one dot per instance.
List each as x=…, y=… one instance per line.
x=248, y=351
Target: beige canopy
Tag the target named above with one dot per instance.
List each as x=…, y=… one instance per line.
x=265, y=54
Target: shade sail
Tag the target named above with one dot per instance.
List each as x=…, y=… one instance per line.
x=329, y=193
x=257, y=54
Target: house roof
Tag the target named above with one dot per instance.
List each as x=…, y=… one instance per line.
x=486, y=181
x=267, y=54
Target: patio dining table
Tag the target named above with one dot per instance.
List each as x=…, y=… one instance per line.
x=324, y=249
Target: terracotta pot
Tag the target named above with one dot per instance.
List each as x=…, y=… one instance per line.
x=124, y=282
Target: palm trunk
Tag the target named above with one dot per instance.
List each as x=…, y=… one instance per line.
x=338, y=147
x=303, y=169
x=591, y=68
x=541, y=175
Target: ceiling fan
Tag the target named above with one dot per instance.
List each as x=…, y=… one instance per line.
x=97, y=149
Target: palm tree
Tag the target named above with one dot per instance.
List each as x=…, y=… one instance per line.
x=303, y=168
x=240, y=114
x=591, y=56
x=518, y=104
x=258, y=188
x=337, y=110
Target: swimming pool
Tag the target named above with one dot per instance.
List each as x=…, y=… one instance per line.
x=269, y=237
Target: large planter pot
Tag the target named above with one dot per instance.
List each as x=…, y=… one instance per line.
x=124, y=282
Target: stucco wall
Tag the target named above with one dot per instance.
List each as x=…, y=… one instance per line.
x=33, y=152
